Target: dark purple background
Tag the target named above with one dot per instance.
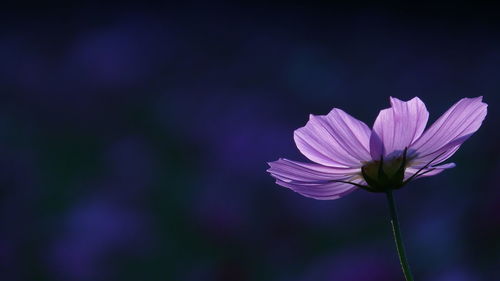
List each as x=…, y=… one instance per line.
x=134, y=142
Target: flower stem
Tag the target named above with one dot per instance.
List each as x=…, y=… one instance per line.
x=397, y=237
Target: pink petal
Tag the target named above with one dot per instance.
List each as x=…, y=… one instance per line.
x=313, y=180
x=451, y=129
x=397, y=127
x=336, y=140
x=427, y=172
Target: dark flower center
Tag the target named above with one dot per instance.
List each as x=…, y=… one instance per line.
x=385, y=174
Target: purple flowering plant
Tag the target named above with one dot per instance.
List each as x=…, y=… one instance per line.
x=348, y=155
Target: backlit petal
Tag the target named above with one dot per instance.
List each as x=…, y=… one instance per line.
x=432, y=171
x=451, y=129
x=288, y=170
x=337, y=140
x=397, y=127
x=321, y=191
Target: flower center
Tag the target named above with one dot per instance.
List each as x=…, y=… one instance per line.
x=386, y=174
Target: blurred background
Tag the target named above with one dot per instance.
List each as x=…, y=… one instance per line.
x=134, y=141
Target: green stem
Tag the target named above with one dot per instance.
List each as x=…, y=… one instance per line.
x=397, y=238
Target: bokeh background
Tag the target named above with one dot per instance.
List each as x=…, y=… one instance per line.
x=134, y=141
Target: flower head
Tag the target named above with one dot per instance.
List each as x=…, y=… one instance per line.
x=347, y=155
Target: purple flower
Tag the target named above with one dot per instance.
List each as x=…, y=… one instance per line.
x=348, y=155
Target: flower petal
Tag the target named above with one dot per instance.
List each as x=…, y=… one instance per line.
x=313, y=180
x=432, y=171
x=322, y=191
x=336, y=140
x=451, y=129
x=438, y=156
x=397, y=127
x=288, y=170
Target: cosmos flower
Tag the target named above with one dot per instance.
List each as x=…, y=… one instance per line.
x=347, y=155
